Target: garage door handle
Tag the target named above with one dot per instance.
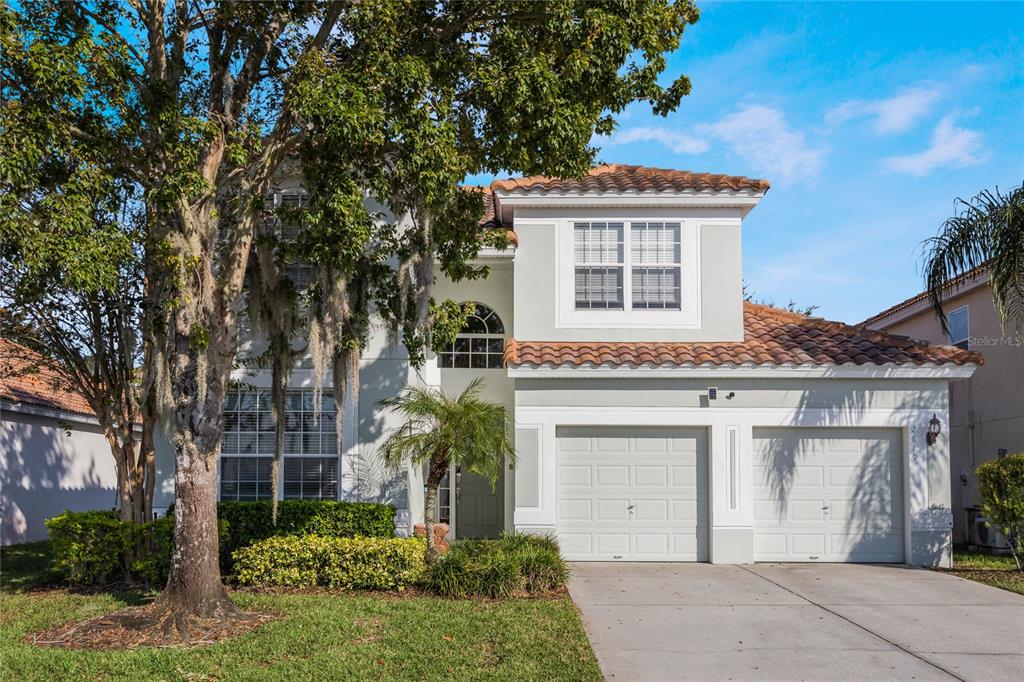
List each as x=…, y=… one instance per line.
x=631, y=507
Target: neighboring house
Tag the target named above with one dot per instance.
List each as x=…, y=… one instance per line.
x=986, y=411
x=658, y=417
x=53, y=455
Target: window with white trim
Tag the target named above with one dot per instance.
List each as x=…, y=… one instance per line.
x=656, y=261
x=959, y=327
x=247, y=448
x=645, y=259
x=480, y=344
x=599, y=258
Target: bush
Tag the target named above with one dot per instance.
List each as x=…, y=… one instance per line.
x=517, y=562
x=360, y=563
x=250, y=522
x=1001, y=483
x=96, y=547
x=90, y=548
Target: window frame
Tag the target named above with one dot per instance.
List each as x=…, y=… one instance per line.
x=686, y=316
x=263, y=430
x=487, y=336
x=962, y=343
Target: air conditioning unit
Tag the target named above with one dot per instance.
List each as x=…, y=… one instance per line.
x=983, y=535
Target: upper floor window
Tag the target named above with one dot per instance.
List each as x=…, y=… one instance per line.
x=480, y=344
x=655, y=251
x=645, y=260
x=959, y=328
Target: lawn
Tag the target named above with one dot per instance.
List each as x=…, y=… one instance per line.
x=317, y=636
x=997, y=571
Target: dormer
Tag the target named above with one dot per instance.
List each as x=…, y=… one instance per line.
x=628, y=253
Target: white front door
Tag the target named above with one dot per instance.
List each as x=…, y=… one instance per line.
x=828, y=495
x=633, y=493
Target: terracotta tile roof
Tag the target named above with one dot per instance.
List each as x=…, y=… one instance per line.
x=772, y=337
x=490, y=220
x=617, y=177
x=24, y=380
x=951, y=289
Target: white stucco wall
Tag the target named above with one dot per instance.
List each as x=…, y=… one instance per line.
x=50, y=462
x=542, y=256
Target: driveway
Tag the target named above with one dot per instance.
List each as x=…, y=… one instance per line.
x=796, y=621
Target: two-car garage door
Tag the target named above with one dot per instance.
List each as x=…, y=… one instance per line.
x=641, y=494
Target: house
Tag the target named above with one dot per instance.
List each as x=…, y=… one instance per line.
x=658, y=417
x=53, y=455
x=986, y=411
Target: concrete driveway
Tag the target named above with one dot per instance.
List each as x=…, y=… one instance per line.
x=796, y=622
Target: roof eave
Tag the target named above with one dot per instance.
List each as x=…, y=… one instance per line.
x=946, y=371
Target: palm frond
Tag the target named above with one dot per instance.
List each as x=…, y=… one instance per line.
x=986, y=230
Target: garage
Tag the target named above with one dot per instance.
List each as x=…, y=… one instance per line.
x=828, y=495
x=632, y=494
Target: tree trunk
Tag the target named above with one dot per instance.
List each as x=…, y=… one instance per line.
x=438, y=468
x=147, y=462
x=194, y=587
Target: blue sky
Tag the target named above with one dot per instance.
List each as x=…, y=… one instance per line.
x=868, y=118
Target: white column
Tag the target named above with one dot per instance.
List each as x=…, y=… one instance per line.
x=731, y=492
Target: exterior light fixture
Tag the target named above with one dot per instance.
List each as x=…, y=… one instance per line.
x=934, y=429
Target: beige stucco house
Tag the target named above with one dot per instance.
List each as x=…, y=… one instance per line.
x=986, y=410
x=657, y=417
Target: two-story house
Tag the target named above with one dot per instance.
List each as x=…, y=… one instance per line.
x=658, y=417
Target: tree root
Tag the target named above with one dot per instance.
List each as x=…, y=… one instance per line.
x=154, y=625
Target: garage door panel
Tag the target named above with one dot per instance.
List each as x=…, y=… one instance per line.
x=834, y=494
x=660, y=472
x=611, y=476
x=576, y=510
x=650, y=476
x=615, y=509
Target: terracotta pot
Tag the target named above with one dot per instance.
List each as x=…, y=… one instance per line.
x=440, y=530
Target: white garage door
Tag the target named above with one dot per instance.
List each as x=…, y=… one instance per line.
x=633, y=494
x=828, y=495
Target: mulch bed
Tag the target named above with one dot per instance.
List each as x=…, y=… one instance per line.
x=140, y=626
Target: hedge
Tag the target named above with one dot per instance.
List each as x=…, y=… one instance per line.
x=96, y=548
x=359, y=563
x=515, y=563
x=250, y=522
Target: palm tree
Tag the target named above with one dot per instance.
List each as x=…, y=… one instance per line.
x=986, y=231
x=440, y=430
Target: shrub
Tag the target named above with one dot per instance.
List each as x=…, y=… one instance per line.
x=96, y=547
x=90, y=548
x=249, y=522
x=516, y=562
x=359, y=563
x=1001, y=483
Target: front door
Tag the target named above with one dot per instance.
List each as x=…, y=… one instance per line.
x=479, y=509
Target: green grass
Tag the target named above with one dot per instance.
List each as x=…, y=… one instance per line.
x=990, y=569
x=25, y=566
x=318, y=636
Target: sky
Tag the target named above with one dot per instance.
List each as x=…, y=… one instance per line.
x=869, y=119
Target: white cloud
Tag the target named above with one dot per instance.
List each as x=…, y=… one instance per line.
x=894, y=114
x=761, y=136
x=951, y=146
x=678, y=142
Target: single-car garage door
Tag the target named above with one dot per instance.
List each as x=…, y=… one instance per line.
x=633, y=494
x=828, y=495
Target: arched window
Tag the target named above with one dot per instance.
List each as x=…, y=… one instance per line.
x=480, y=344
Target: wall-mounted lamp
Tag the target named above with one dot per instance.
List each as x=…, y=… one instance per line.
x=934, y=429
